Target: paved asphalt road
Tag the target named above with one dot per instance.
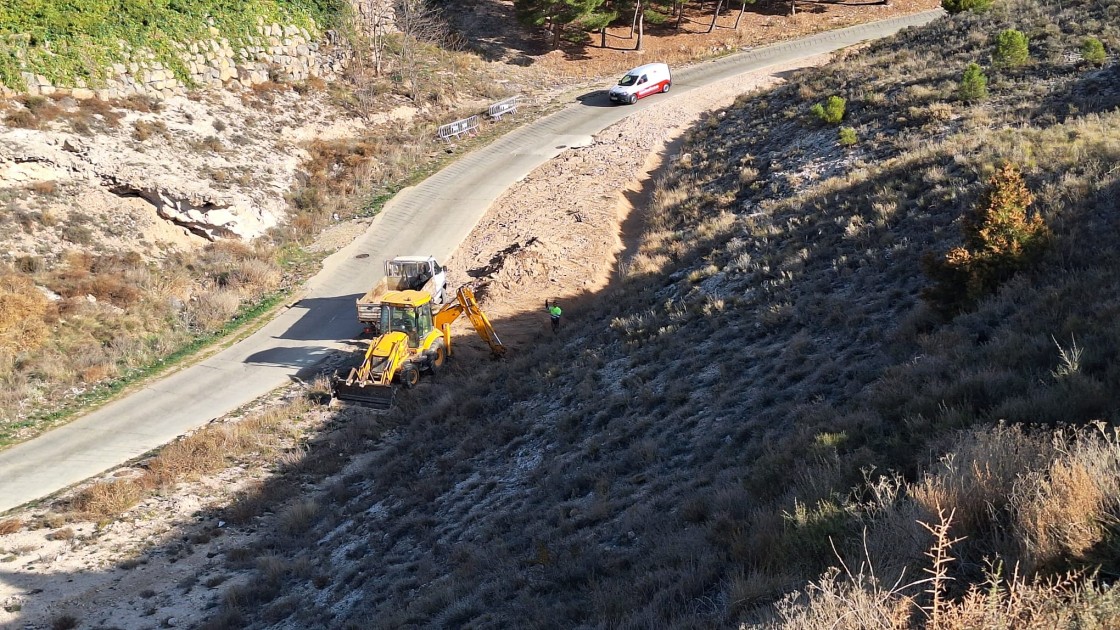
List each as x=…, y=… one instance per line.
x=431, y=218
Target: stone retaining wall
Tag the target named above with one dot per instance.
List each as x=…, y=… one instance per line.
x=278, y=53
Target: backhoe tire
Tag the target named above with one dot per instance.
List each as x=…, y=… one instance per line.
x=437, y=356
x=409, y=375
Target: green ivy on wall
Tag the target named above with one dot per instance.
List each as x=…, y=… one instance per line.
x=71, y=40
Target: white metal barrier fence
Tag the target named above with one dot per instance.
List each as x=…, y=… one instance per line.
x=468, y=126
x=503, y=107
x=458, y=128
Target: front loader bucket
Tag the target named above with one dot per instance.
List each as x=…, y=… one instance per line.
x=366, y=395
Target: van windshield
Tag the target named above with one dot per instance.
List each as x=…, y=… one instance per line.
x=629, y=79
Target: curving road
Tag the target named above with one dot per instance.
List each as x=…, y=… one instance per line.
x=431, y=218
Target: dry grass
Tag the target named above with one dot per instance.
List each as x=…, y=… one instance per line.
x=143, y=130
x=203, y=452
x=108, y=498
x=212, y=309
x=700, y=445
x=22, y=311
x=10, y=526
x=299, y=517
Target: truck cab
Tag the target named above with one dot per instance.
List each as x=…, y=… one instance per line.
x=419, y=271
x=403, y=273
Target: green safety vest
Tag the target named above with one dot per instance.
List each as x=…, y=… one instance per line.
x=554, y=311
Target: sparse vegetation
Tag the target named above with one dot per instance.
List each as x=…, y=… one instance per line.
x=762, y=391
x=206, y=451
x=1092, y=51
x=816, y=412
x=973, y=85
x=830, y=112
x=847, y=137
x=187, y=300
x=1011, y=48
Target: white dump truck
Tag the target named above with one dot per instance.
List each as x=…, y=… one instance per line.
x=403, y=273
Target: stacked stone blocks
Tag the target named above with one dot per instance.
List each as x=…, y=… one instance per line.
x=277, y=53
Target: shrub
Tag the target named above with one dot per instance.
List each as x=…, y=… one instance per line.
x=78, y=234
x=22, y=118
x=847, y=137
x=973, y=85
x=831, y=111
x=142, y=129
x=1011, y=48
x=299, y=516
x=256, y=275
x=108, y=498
x=1092, y=51
x=22, y=307
x=999, y=239
x=958, y=6
x=211, y=310
x=64, y=622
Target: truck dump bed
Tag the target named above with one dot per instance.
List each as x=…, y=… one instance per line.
x=369, y=305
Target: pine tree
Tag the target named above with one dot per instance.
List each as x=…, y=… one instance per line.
x=973, y=85
x=558, y=15
x=1000, y=239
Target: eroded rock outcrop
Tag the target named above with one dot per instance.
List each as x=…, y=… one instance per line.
x=213, y=167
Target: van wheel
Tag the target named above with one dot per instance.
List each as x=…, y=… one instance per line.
x=665, y=88
x=633, y=98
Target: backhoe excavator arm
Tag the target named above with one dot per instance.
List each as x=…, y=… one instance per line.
x=465, y=302
x=371, y=383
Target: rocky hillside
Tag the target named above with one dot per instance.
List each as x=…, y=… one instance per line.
x=144, y=218
x=765, y=392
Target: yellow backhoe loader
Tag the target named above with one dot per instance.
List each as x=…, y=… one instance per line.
x=413, y=340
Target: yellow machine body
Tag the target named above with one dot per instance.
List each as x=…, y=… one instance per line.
x=414, y=340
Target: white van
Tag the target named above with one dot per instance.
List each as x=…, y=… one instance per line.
x=642, y=81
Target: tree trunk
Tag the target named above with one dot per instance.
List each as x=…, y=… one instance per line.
x=555, y=36
x=603, y=37
x=680, y=14
x=641, y=26
x=715, y=14
x=634, y=20
x=742, y=10
x=793, y=7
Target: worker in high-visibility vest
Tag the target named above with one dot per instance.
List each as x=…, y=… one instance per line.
x=554, y=314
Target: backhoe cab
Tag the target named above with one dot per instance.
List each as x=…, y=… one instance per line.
x=414, y=339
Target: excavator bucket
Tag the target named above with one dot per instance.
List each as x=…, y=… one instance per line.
x=365, y=394
x=371, y=383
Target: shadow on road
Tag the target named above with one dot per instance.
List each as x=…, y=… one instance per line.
x=325, y=319
x=302, y=358
x=595, y=98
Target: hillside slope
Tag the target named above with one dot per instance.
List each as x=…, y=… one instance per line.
x=684, y=452
x=687, y=448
